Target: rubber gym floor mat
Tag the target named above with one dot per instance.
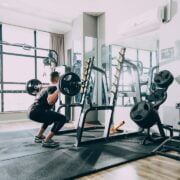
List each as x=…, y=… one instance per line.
x=21, y=143
x=69, y=162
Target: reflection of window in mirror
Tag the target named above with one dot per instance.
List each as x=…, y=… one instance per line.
x=144, y=56
x=131, y=54
x=154, y=59
x=90, y=47
x=77, y=57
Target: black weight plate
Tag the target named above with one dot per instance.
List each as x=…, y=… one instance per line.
x=70, y=84
x=140, y=111
x=163, y=79
x=157, y=95
x=33, y=86
x=143, y=114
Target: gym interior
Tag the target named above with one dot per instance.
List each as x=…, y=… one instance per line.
x=89, y=89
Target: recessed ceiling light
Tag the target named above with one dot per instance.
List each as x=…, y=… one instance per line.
x=5, y=4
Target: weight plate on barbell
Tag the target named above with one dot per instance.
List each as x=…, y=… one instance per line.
x=33, y=86
x=70, y=84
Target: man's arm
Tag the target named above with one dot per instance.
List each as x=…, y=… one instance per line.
x=52, y=98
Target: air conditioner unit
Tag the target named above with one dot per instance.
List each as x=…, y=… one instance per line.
x=147, y=22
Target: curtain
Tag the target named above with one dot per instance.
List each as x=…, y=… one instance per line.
x=57, y=44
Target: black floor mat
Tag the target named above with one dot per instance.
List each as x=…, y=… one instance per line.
x=20, y=158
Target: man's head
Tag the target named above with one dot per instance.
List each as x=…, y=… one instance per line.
x=54, y=77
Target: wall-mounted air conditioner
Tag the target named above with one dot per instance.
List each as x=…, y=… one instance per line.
x=144, y=23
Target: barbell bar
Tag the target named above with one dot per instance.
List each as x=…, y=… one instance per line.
x=69, y=84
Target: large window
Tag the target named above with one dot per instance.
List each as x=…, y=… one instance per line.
x=17, y=69
x=17, y=35
x=20, y=65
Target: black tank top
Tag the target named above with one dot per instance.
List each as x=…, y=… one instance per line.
x=41, y=98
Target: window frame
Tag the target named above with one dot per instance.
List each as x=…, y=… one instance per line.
x=2, y=53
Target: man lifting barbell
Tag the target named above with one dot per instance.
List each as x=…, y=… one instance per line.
x=41, y=111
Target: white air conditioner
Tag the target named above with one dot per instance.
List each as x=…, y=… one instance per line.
x=144, y=23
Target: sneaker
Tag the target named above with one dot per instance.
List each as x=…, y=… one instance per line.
x=50, y=144
x=39, y=139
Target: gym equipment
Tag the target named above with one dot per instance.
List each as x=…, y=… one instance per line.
x=69, y=84
x=84, y=87
x=116, y=128
x=157, y=95
x=144, y=115
x=110, y=103
x=170, y=144
x=109, y=107
x=129, y=87
x=33, y=86
x=163, y=79
x=50, y=60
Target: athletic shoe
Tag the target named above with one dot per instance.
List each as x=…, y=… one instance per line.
x=50, y=144
x=39, y=139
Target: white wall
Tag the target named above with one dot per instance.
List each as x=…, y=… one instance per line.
x=75, y=34
x=89, y=25
x=77, y=28
x=124, y=11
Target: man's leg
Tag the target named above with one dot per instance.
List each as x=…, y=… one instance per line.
x=42, y=130
x=49, y=136
x=37, y=114
x=59, y=120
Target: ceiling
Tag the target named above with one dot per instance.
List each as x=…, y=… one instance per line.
x=57, y=15
x=147, y=41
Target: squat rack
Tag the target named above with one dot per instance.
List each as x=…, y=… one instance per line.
x=86, y=108
x=110, y=107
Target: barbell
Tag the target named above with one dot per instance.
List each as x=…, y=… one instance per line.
x=69, y=84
